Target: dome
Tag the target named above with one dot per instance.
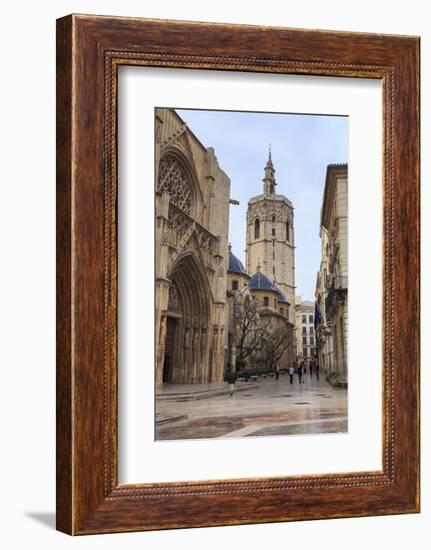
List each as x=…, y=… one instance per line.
x=235, y=265
x=280, y=296
x=259, y=281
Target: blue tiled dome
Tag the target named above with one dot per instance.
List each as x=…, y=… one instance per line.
x=259, y=281
x=235, y=265
x=280, y=296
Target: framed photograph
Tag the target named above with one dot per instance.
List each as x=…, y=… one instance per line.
x=237, y=274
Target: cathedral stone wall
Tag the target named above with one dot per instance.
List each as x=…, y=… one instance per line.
x=192, y=220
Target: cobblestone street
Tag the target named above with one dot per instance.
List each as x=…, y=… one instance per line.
x=266, y=407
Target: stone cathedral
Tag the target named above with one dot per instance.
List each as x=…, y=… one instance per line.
x=197, y=277
x=191, y=234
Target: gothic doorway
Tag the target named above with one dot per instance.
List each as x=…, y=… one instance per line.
x=187, y=337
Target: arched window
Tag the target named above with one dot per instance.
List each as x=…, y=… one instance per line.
x=273, y=219
x=287, y=231
x=257, y=228
x=174, y=180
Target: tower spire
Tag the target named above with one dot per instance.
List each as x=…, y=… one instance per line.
x=269, y=182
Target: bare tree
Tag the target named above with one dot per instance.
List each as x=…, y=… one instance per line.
x=250, y=330
x=274, y=344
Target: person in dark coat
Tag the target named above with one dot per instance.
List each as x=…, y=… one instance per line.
x=300, y=373
x=231, y=379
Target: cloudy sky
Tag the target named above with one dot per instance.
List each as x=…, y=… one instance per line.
x=302, y=146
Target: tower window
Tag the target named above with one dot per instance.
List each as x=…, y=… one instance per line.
x=273, y=219
x=257, y=228
x=287, y=231
x=273, y=231
x=271, y=189
x=234, y=285
x=266, y=301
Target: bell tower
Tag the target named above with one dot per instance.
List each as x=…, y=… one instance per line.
x=270, y=237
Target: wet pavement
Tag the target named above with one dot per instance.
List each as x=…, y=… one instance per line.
x=266, y=407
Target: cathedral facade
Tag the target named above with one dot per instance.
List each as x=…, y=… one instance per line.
x=201, y=287
x=191, y=236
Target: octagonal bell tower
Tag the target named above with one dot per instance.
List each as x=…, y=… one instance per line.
x=270, y=237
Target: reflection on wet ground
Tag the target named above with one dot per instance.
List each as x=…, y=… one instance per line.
x=266, y=407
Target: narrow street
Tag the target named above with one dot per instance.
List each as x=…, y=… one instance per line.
x=266, y=407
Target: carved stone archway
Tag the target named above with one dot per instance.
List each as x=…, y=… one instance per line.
x=187, y=358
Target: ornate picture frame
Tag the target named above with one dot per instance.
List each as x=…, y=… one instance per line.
x=89, y=51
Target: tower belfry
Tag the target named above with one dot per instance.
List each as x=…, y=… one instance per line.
x=270, y=241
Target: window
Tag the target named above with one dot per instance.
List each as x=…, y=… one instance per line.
x=287, y=231
x=304, y=330
x=310, y=318
x=275, y=303
x=273, y=254
x=273, y=243
x=257, y=228
x=273, y=231
x=273, y=219
x=305, y=352
x=266, y=301
x=311, y=340
x=311, y=330
x=304, y=340
x=304, y=318
x=273, y=270
x=234, y=285
x=281, y=311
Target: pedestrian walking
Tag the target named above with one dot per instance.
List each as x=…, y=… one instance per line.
x=300, y=373
x=277, y=372
x=311, y=369
x=231, y=379
x=291, y=373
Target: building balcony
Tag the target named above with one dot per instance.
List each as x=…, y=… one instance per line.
x=337, y=293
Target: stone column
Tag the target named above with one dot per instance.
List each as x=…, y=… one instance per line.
x=195, y=350
x=214, y=353
x=203, y=356
x=160, y=352
x=187, y=354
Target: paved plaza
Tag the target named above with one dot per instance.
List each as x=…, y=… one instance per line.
x=265, y=407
